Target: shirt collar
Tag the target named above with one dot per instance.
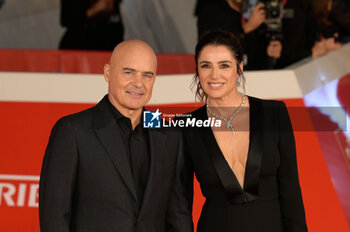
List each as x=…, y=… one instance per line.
x=117, y=115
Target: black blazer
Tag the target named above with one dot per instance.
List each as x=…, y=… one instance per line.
x=86, y=183
x=271, y=198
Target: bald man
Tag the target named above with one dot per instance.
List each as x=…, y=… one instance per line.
x=103, y=172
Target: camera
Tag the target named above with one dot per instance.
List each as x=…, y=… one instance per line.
x=274, y=16
x=275, y=13
x=274, y=9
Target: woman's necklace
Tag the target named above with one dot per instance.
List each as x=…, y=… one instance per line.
x=228, y=120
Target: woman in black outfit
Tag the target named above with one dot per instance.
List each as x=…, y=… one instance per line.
x=247, y=169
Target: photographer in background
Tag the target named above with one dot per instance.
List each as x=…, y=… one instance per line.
x=259, y=49
x=91, y=24
x=332, y=19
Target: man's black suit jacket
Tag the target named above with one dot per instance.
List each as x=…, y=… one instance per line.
x=86, y=182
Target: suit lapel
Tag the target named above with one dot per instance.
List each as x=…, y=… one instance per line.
x=226, y=175
x=157, y=142
x=252, y=173
x=109, y=135
x=253, y=167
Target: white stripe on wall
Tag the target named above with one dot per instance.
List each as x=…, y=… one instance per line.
x=19, y=177
x=88, y=88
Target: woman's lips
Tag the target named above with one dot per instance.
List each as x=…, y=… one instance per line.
x=216, y=85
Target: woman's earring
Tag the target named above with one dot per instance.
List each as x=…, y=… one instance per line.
x=239, y=80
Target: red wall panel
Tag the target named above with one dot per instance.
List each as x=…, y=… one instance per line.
x=25, y=130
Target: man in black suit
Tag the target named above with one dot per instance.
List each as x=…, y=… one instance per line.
x=103, y=172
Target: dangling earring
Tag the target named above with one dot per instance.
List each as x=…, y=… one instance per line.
x=239, y=79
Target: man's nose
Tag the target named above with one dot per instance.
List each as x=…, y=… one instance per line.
x=138, y=81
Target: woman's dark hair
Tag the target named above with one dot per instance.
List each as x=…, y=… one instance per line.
x=218, y=37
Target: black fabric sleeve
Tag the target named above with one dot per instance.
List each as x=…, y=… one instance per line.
x=213, y=17
x=73, y=13
x=58, y=179
x=288, y=181
x=179, y=211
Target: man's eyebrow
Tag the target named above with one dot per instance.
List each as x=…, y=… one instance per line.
x=129, y=69
x=149, y=73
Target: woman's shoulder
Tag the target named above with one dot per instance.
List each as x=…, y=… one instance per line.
x=266, y=102
x=271, y=109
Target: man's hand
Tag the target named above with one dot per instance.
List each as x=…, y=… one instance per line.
x=256, y=19
x=274, y=49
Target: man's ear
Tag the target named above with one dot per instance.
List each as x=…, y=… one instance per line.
x=106, y=71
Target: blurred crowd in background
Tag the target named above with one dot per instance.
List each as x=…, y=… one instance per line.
x=274, y=33
x=277, y=33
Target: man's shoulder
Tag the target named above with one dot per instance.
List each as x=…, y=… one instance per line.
x=87, y=115
x=79, y=117
x=78, y=120
x=197, y=113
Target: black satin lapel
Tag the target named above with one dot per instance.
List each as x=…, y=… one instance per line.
x=157, y=143
x=254, y=159
x=110, y=138
x=226, y=175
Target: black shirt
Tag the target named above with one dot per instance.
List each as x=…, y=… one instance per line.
x=136, y=143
